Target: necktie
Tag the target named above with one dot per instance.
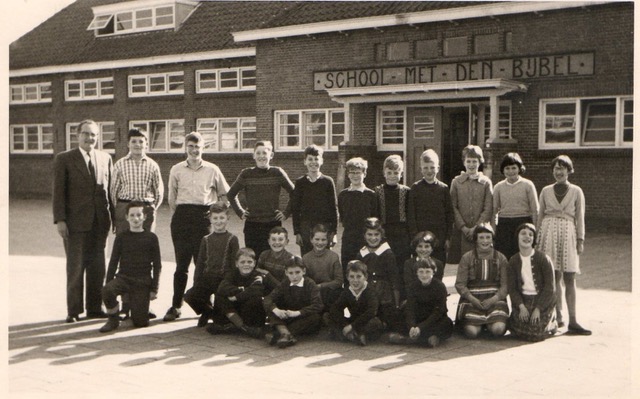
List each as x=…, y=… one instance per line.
x=92, y=171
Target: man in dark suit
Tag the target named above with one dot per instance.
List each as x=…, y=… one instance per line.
x=82, y=212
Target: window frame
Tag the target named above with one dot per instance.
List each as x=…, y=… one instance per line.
x=147, y=84
x=167, y=140
x=328, y=122
x=580, y=104
x=100, y=143
x=83, y=96
x=39, y=91
x=240, y=130
x=133, y=21
x=239, y=86
x=379, y=128
x=25, y=150
x=486, y=122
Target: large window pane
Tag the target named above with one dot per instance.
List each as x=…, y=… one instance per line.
x=144, y=18
x=158, y=136
x=16, y=93
x=228, y=79
x=208, y=80
x=124, y=21
x=248, y=131
x=627, y=121
x=315, y=128
x=31, y=93
x=229, y=135
x=108, y=136
x=138, y=85
x=560, y=123
x=337, y=128
x=18, y=138
x=157, y=84
x=73, y=90
x=45, y=91
x=209, y=131
x=106, y=87
x=599, y=121
x=32, y=138
x=164, y=15
x=176, y=82
x=392, y=126
x=177, y=135
x=249, y=78
x=47, y=137
x=289, y=130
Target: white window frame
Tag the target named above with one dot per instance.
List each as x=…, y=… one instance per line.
x=379, y=125
x=328, y=112
x=485, y=123
x=239, y=86
x=100, y=21
x=578, y=142
x=167, y=91
x=39, y=89
x=83, y=90
x=25, y=150
x=100, y=142
x=145, y=124
x=217, y=131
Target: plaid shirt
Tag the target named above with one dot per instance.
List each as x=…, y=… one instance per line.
x=137, y=182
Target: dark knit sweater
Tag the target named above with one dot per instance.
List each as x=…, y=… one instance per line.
x=354, y=208
x=425, y=304
x=138, y=256
x=216, y=256
x=361, y=310
x=430, y=208
x=305, y=299
x=543, y=279
x=314, y=202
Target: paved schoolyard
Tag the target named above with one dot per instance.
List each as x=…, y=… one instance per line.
x=47, y=357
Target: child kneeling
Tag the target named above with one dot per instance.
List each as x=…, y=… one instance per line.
x=137, y=252
x=293, y=307
x=362, y=324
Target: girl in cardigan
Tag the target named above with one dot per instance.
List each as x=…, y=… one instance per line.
x=561, y=227
x=531, y=287
x=482, y=285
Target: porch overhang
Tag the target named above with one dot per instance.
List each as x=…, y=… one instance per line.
x=485, y=88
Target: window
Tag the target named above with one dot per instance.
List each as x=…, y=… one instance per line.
x=391, y=126
x=227, y=79
x=455, y=46
x=504, y=120
x=228, y=134
x=131, y=19
x=487, y=44
x=159, y=84
x=426, y=49
x=106, y=139
x=586, y=122
x=295, y=130
x=398, y=51
x=164, y=136
x=88, y=89
x=35, y=138
x=31, y=93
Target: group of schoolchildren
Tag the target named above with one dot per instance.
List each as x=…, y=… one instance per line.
x=388, y=277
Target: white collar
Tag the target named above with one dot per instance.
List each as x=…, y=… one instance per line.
x=300, y=284
x=361, y=188
x=361, y=291
x=383, y=247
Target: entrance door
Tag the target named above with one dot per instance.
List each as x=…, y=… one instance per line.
x=456, y=134
x=424, y=131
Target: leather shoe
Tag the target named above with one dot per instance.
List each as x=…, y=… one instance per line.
x=578, y=330
x=97, y=315
x=72, y=319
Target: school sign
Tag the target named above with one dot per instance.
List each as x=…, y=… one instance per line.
x=508, y=68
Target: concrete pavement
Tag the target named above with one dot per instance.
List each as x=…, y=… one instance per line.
x=47, y=357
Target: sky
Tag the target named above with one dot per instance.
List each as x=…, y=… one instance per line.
x=18, y=17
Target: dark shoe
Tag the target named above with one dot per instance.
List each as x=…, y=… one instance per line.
x=172, y=314
x=97, y=315
x=215, y=328
x=254, y=332
x=203, y=320
x=577, y=329
x=285, y=341
x=152, y=314
x=72, y=319
x=112, y=324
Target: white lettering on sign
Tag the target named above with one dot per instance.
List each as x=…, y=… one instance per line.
x=511, y=68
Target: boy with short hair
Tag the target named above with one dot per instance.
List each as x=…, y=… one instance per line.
x=216, y=258
x=136, y=177
x=261, y=185
x=355, y=204
x=323, y=265
x=293, y=307
x=362, y=303
x=136, y=257
x=313, y=200
x=430, y=207
x=274, y=259
x=238, y=302
x=393, y=201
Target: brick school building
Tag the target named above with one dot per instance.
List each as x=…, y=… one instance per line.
x=358, y=78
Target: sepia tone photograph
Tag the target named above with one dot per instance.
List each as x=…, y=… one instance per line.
x=328, y=198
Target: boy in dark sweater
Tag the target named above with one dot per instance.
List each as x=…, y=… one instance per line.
x=136, y=257
x=355, y=204
x=239, y=297
x=216, y=258
x=362, y=303
x=313, y=200
x=261, y=185
x=293, y=307
x=430, y=206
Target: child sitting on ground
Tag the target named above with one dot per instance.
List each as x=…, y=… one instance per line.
x=293, y=307
x=426, y=317
x=215, y=259
x=273, y=260
x=323, y=266
x=239, y=297
x=137, y=252
x=362, y=324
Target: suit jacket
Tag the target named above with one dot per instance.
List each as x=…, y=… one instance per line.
x=76, y=199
